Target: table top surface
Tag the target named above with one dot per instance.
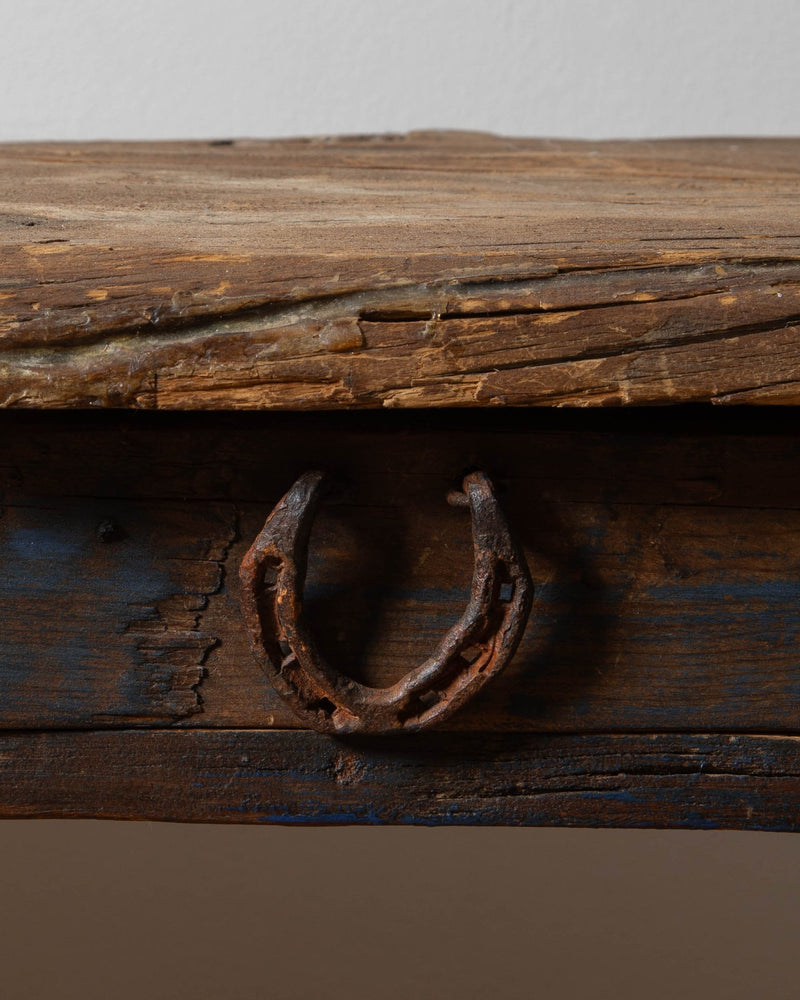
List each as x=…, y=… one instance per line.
x=421, y=270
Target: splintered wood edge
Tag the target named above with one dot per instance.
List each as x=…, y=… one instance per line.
x=399, y=271
x=692, y=781
x=722, y=333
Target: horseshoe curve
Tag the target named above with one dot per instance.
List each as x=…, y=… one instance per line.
x=475, y=649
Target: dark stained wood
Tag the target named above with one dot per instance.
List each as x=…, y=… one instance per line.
x=101, y=623
x=427, y=270
x=249, y=776
x=665, y=555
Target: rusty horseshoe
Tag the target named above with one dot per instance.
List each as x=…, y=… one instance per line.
x=272, y=577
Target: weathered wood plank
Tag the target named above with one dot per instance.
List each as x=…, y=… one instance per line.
x=101, y=623
x=426, y=270
x=248, y=776
x=666, y=561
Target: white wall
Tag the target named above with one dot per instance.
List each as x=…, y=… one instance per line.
x=197, y=68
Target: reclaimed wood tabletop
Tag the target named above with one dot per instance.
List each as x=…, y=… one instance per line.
x=422, y=270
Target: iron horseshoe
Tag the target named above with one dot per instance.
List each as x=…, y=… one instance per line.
x=474, y=650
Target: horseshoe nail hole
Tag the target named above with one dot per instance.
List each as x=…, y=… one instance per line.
x=270, y=577
x=285, y=648
x=429, y=699
x=506, y=592
x=110, y=531
x=471, y=654
x=323, y=705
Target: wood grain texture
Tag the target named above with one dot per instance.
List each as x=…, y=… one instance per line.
x=665, y=557
x=249, y=776
x=426, y=270
x=102, y=623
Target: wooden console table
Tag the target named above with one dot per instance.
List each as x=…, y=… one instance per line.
x=536, y=330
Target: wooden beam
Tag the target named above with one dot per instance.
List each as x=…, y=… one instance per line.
x=250, y=776
x=429, y=270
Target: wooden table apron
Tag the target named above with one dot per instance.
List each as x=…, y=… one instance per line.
x=656, y=683
x=485, y=304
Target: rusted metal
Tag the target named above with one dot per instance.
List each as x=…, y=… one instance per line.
x=477, y=648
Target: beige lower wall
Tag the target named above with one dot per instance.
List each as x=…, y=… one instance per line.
x=151, y=911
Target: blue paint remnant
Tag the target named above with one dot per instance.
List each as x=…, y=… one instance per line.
x=59, y=557
x=697, y=821
x=784, y=592
x=79, y=667
x=619, y=796
x=42, y=543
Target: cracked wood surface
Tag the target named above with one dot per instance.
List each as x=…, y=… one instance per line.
x=425, y=270
x=254, y=776
x=102, y=609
